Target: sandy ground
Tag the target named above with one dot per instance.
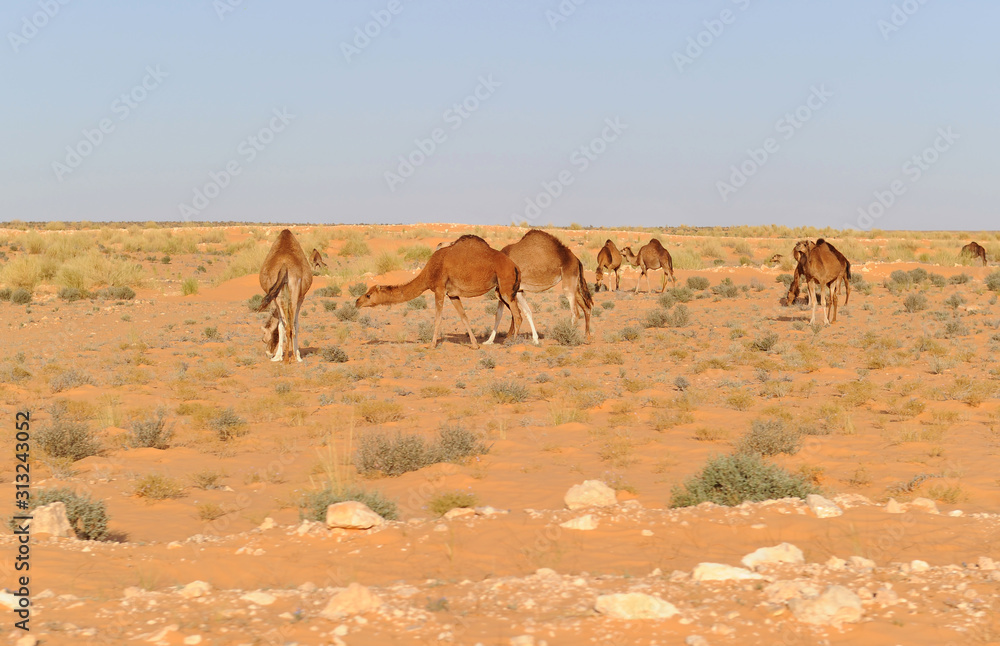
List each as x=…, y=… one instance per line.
x=612, y=410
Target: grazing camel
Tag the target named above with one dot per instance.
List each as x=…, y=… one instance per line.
x=544, y=261
x=820, y=263
x=801, y=249
x=651, y=256
x=975, y=250
x=468, y=267
x=317, y=260
x=286, y=277
x=608, y=258
x=775, y=259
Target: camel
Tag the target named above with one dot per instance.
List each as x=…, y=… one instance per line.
x=651, y=255
x=775, y=259
x=286, y=274
x=608, y=258
x=802, y=247
x=975, y=250
x=821, y=263
x=468, y=267
x=544, y=261
x=316, y=259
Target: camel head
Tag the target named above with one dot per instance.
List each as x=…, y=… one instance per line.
x=371, y=298
x=270, y=334
x=317, y=260
x=792, y=295
x=628, y=255
x=802, y=247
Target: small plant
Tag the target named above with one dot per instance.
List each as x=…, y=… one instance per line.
x=608, y=305
x=488, y=363
x=358, y=289
x=784, y=279
x=64, y=437
x=253, y=303
x=387, y=262
x=5, y=294
x=993, y=281
x=212, y=333
x=330, y=291
x=733, y=479
x=915, y=303
x=630, y=333
x=726, y=289
x=565, y=333
x=89, y=518
x=656, y=318
x=507, y=392
x=679, y=317
x=70, y=294
x=963, y=278
x=20, y=296
x=151, y=432
x=387, y=455
x=208, y=479
x=764, y=343
x=379, y=412
x=418, y=303
x=329, y=306
x=769, y=437
x=227, y=424
x=347, y=312
x=189, y=286
x=67, y=380
x=681, y=383
x=697, y=282
x=955, y=301
x=116, y=293
x=209, y=511
x=313, y=504
x=444, y=502
x=157, y=487
x=334, y=355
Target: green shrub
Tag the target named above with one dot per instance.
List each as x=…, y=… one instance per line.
x=993, y=281
x=565, y=333
x=444, y=502
x=157, y=487
x=963, y=278
x=122, y=293
x=666, y=300
x=656, y=318
x=379, y=412
x=387, y=262
x=212, y=333
x=330, y=291
x=681, y=294
x=425, y=331
x=697, y=282
x=89, y=518
x=354, y=246
x=507, y=392
x=253, y=303
x=227, y=424
x=189, y=286
x=329, y=306
x=769, y=437
x=66, y=438
x=334, y=354
x=6, y=293
x=918, y=275
x=347, y=312
x=358, y=289
x=151, y=432
x=764, y=343
x=915, y=303
x=679, y=317
x=393, y=455
x=936, y=280
x=733, y=479
x=69, y=379
x=313, y=504
x=784, y=279
x=70, y=294
x=20, y=296
x=418, y=303
x=726, y=289
x=630, y=333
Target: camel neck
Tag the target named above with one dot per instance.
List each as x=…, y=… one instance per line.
x=406, y=291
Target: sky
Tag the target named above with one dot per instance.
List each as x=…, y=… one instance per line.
x=847, y=114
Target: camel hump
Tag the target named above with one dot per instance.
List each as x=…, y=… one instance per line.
x=820, y=241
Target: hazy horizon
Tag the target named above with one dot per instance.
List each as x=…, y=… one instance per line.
x=864, y=115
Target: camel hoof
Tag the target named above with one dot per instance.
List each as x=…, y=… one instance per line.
x=276, y=357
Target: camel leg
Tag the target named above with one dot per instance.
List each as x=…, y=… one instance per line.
x=295, y=337
x=457, y=302
x=570, y=293
x=812, y=299
x=526, y=310
x=279, y=351
x=663, y=283
x=618, y=280
x=439, y=306
x=496, y=324
x=638, y=280
x=586, y=315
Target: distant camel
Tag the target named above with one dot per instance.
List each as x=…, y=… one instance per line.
x=608, y=258
x=286, y=273
x=544, y=261
x=775, y=259
x=821, y=263
x=975, y=250
x=651, y=256
x=317, y=260
x=468, y=267
x=799, y=251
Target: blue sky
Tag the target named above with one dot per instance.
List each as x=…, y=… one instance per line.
x=877, y=81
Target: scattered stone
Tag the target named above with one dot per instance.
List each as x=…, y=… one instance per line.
x=174, y=545
x=132, y=591
x=955, y=513
x=523, y=640
x=721, y=572
x=646, y=532
x=440, y=527
x=458, y=512
x=267, y=524
x=352, y=600
x=489, y=511
x=893, y=507
x=861, y=563
x=886, y=595
x=783, y=553
x=592, y=493
x=545, y=572
x=634, y=605
x=924, y=504
x=27, y=640
x=8, y=600
x=986, y=563
x=835, y=564
x=161, y=635
x=587, y=522
x=260, y=598
x=919, y=566
x=835, y=606
x=822, y=507
x=352, y=514
x=192, y=639
x=695, y=640
x=195, y=589
x=308, y=586
x=865, y=594
x=782, y=591
x=51, y=519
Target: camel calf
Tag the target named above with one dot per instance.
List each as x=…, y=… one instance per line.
x=608, y=259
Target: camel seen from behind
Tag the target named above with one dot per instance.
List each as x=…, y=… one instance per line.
x=285, y=277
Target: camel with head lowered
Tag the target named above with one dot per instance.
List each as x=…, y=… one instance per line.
x=651, y=256
x=608, y=259
x=975, y=250
x=821, y=264
x=286, y=278
x=468, y=267
x=544, y=262
x=316, y=259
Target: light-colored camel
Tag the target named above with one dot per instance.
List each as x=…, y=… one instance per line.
x=822, y=264
x=317, y=260
x=975, y=250
x=544, y=261
x=651, y=256
x=286, y=278
x=608, y=259
x=468, y=267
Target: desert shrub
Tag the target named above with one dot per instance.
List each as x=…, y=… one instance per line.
x=444, y=502
x=334, y=354
x=679, y=317
x=784, y=279
x=379, y=412
x=419, y=303
x=227, y=424
x=666, y=300
x=915, y=303
x=993, y=282
x=630, y=333
x=347, y=312
x=769, y=437
x=354, y=246
x=955, y=301
x=189, y=286
x=656, y=318
x=681, y=294
x=358, y=289
x=733, y=479
x=70, y=294
x=726, y=289
x=425, y=331
x=764, y=343
x=963, y=278
x=64, y=437
x=488, y=363
x=456, y=443
x=211, y=333
x=937, y=280
x=901, y=277
x=918, y=275
x=393, y=455
x=69, y=379
x=20, y=296
x=608, y=305
x=157, y=487
x=313, y=504
x=151, y=432
x=507, y=392
x=417, y=252
x=330, y=291
x=253, y=303
x=6, y=293
x=682, y=383
x=387, y=262
x=89, y=518
x=697, y=282
x=122, y=293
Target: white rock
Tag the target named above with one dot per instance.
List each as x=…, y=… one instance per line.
x=352, y=600
x=545, y=572
x=919, y=566
x=267, y=524
x=956, y=513
x=986, y=563
x=835, y=564
x=458, y=512
x=195, y=589
x=893, y=507
x=51, y=519
x=586, y=522
x=259, y=597
x=695, y=640
x=27, y=640
x=634, y=605
x=835, y=606
x=646, y=532
x=341, y=630
x=523, y=640
x=592, y=493
x=721, y=572
x=192, y=639
x=352, y=514
x=8, y=600
x=783, y=553
x=782, y=591
x=162, y=635
x=861, y=563
x=822, y=507
x=924, y=504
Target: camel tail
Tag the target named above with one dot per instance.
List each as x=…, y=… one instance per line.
x=275, y=290
x=583, y=288
x=517, y=283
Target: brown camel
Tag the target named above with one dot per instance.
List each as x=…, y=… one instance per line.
x=775, y=259
x=286, y=274
x=820, y=263
x=317, y=260
x=975, y=250
x=610, y=259
x=801, y=248
x=544, y=261
x=468, y=267
x=651, y=256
